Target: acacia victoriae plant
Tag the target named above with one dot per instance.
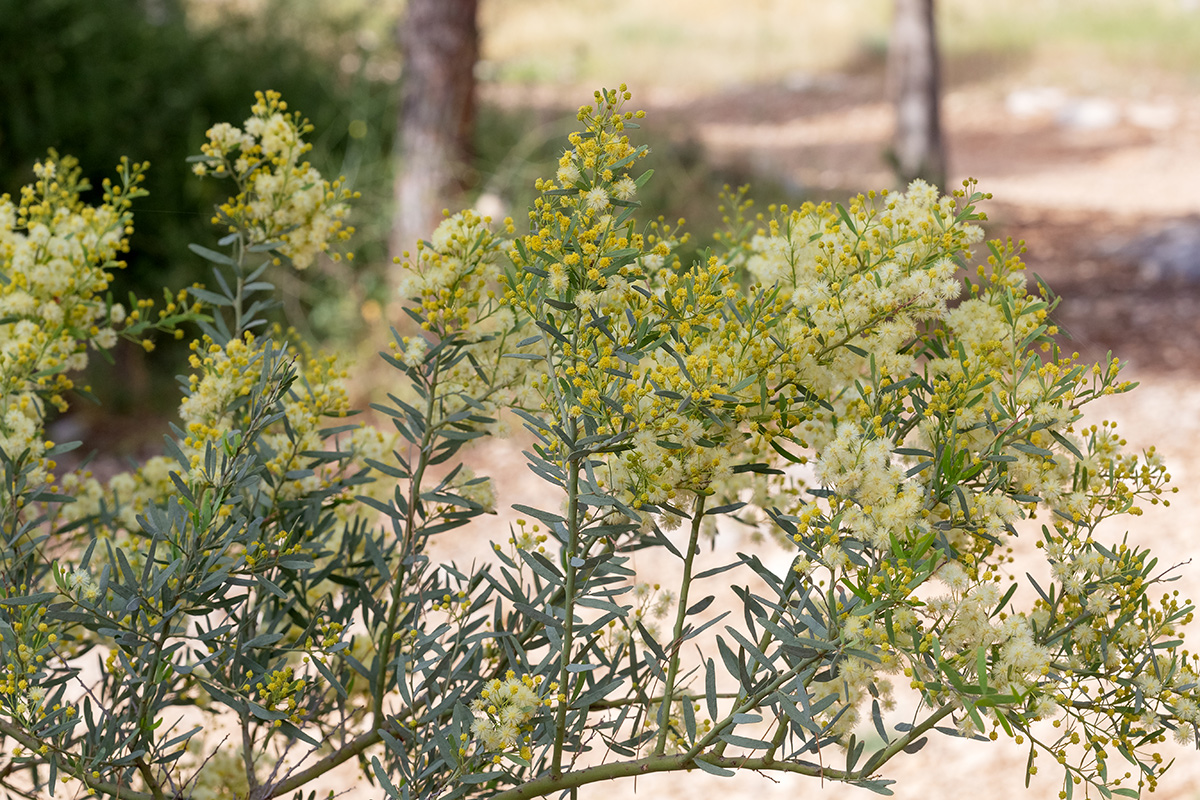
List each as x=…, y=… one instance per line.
x=258, y=606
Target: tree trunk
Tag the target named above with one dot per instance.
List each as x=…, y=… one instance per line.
x=914, y=85
x=440, y=43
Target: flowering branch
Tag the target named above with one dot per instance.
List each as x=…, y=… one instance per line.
x=831, y=384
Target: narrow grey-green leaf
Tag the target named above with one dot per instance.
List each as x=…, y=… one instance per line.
x=710, y=688
x=713, y=769
x=212, y=255
x=745, y=741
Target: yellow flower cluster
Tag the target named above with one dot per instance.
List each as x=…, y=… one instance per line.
x=577, y=251
x=527, y=537
x=56, y=253
x=1085, y=661
x=606, y=292
x=330, y=633
x=453, y=278
x=504, y=712
x=282, y=201
x=978, y=389
x=675, y=401
x=451, y=283
x=80, y=582
x=29, y=641
x=211, y=414
x=277, y=691
x=860, y=276
x=224, y=374
x=695, y=377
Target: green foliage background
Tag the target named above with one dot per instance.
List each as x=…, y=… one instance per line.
x=99, y=79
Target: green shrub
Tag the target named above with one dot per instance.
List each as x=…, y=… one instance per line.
x=126, y=77
x=263, y=604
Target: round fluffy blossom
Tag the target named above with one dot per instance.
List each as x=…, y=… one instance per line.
x=504, y=710
x=414, y=351
x=81, y=582
x=596, y=199
x=568, y=173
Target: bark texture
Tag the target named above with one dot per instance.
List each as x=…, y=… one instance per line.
x=440, y=43
x=914, y=83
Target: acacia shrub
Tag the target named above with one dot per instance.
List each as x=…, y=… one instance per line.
x=259, y=605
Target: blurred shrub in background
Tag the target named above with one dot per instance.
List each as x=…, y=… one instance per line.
x=103, y=78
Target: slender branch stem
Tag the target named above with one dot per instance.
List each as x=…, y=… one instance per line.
x=339, y=756
x=685, y=583
x=763, y=642
x=410, y=522
x=560, y=721
x=145, y=713
x=148, y=776
x=743, y=704
x=778, y=738
x=239, y=297
x=551, y=784
x=248, y=754
x=604, y=705
x=908, y=738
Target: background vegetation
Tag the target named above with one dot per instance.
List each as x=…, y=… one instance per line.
x=145, y=78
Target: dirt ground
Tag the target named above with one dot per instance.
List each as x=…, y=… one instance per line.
x=1105, y=191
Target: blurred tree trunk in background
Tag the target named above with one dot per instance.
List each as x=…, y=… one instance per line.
x=440, y=43
x=914, y=83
